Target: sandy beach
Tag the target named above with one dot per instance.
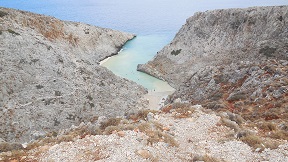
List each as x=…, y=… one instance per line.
x=157, y=99
x=103, y=61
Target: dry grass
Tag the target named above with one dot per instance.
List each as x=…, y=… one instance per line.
x=267, y=126
x=280, y=134
x=13, y=156
x=110, y=122
x=51, y=29
x=6, y=146
x=111, y=129
x=231, y=124
x=253, y=141
x=142, y=114
x=143, y=127
x=158, y=136
x=205, y=158
x=235, y=117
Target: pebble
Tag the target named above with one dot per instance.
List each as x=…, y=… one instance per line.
x=121, y=134
x=166, y=128
x=150, y=116
x=23, y=158
x=144, y=154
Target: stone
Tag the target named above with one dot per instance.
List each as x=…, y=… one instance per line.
x=166, y=128
x=121, y=133
x=178, y=100
x=150, y=116
x=144, y=154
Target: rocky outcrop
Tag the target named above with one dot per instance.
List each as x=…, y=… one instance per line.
x=233, y=59
x=50, y=78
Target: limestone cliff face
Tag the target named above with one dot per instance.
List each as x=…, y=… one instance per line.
x=233, y=59
x=50, y=78
x=222, y=37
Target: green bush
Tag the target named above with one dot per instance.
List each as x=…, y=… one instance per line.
x=176, y=52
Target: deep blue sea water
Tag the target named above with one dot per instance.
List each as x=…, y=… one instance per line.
x=155, y=22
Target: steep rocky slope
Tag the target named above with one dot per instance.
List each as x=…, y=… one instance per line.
x=232, y=59
x=50, y=78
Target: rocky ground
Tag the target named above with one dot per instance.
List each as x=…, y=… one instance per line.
x=50, y=75
x=179, y=132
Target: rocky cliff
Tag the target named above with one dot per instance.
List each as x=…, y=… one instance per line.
x=232, y=59
x=50, y=78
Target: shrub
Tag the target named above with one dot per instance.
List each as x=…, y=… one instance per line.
x=253, y=141
x=110, y=122
x=0, y=32
x=110, y=129
x=175, y=53
x=39, y=86
x=142, y=114
x=5, y=146
x=13, y=32
x=235, y=117
x=230, y=124
x=158, y=136
x=2, y=13
x=267, y=51
x=184, y=110
x=205, y=158
x=267, y=126
x=280, y=134
x=143, y=127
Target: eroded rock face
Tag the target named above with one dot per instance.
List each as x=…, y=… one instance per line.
x=50, y=78
x=221, y=37
x=234, y=59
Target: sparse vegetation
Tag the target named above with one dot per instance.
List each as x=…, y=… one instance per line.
x=13, y=32
x=253, y=141
x=110, y=122
x=205, y=158
x=280, y=134
x=2, y=13
x=58, y=93
x=183, y=110
x=141, y=114
x=177, y=52
x=6, y=146
x=231, y=124
x=267, y=51
x=39, y=86
x=267, y=126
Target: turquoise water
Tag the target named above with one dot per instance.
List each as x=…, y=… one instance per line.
x=155, y=22
x=138, y=51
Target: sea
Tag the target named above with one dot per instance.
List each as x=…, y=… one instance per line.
x=155, y=22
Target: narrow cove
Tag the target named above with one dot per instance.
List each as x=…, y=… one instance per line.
x=138, y=51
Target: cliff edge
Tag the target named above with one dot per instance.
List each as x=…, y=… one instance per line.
x=50, y=78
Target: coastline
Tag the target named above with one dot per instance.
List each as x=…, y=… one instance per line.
x=105, y=60
x=157, y=99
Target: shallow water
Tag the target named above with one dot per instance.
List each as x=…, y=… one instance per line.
x=138, y=51
x=154, y=22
